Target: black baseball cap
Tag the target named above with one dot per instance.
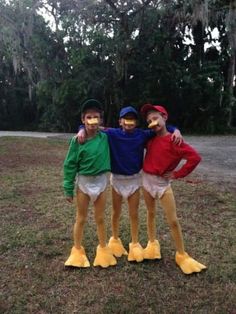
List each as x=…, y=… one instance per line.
x=91, y=103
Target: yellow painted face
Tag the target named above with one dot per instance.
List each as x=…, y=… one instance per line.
x=92, y=121
x=153, y=124
x=129, y=122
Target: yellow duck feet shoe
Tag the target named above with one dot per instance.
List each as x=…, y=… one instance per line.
x=187, y=264
x=135, y=252
x=77, y=258
x=117, y=247
x=152, y=250
x=104, y=257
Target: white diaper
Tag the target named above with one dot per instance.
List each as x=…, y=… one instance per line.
x=126, y=185
x=155, y=185
x=93, y=186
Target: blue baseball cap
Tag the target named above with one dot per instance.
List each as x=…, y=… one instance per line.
x=124, y=111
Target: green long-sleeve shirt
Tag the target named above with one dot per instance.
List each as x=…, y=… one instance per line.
x=91, y=158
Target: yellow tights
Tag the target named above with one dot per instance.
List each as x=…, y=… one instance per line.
x=133, y=204
x=167, y=202
x=82, y=212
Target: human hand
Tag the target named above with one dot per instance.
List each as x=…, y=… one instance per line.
x=69, y=199
x=168, y=175
x=81, y=136
x=177, y=137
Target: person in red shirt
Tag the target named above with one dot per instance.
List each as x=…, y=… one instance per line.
x=159, y=168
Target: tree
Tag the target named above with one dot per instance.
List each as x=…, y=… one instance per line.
x=231, y=32
x=121, y=52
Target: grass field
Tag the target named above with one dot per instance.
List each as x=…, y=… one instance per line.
x=36, y=238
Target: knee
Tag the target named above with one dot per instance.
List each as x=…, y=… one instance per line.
x=99, y=220
x=151, y=213
x=116, y=214
x=133, y=215
x=80, y=220
x=174, y=224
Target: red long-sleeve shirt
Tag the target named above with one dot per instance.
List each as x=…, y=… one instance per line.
x=163, y=155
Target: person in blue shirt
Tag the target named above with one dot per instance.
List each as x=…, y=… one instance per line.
x=127, y=145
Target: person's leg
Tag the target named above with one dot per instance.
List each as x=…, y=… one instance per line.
x=116, y=212
x=81, y=217
x=187, y=264
x=151, y=215
x=104, y=257
x=152, y=250
x=135, y=249
x=115, y=243
x=167, y=202
x=133, y=204
x=78, y=256
x=99, y=206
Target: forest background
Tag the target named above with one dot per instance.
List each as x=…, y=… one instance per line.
x=54, y=54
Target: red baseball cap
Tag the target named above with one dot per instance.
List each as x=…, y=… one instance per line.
x=148, y=107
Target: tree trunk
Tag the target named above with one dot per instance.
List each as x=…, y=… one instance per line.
x=231, y=25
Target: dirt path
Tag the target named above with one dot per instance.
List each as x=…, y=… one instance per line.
x=218, y=157
x=218, y=154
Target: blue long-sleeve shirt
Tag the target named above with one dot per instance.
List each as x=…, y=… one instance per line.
x=127, y=149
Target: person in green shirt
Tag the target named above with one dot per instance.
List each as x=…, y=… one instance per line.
x=86, y=168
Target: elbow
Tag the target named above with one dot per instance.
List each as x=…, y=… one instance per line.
x=199, y=159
